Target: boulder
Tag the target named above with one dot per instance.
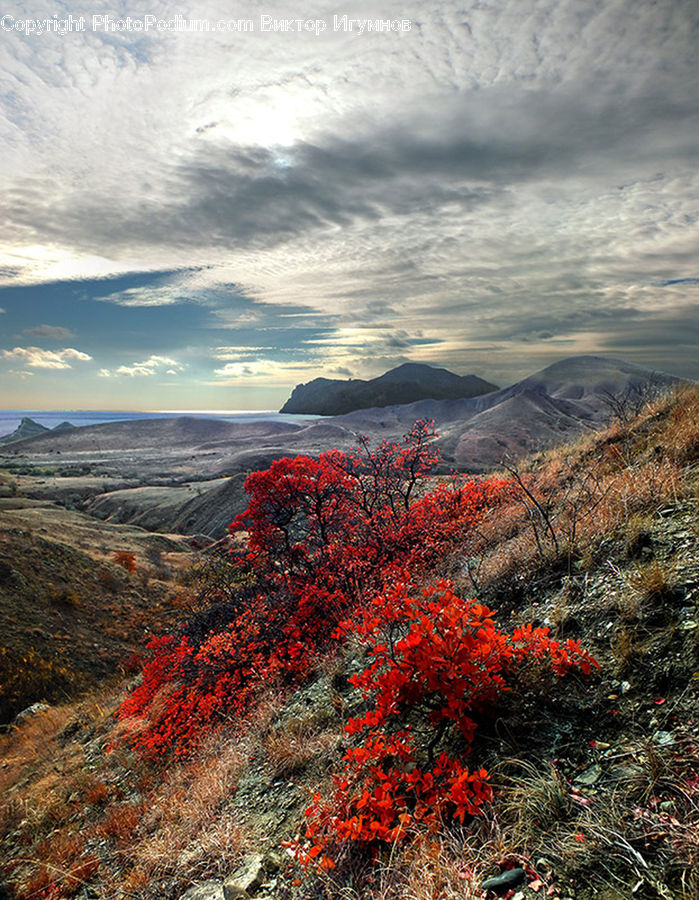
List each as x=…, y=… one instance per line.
x=248, y=878
x=29, y=712
x=500, y=884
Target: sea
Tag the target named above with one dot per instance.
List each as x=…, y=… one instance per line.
x=11, y=418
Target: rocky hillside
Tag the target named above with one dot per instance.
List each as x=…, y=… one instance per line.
x=404, y=384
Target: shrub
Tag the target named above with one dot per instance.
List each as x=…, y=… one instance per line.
x=322, y=536
x=438, y=665
x=127, y=560
x=27, y=676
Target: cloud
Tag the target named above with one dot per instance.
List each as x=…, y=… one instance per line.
x=55, y=332
x=46, y=359
x=250, y=369
x=145, y=296
x=10, y=272
x=499, y=180
x=1, y=310
x=152, y=366
x=263, y=372
x=235, y=354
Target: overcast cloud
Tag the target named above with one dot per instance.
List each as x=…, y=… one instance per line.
x=502, y=185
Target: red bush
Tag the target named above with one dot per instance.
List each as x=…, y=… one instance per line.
x=438, y=664
x=127, y=560
x=323, y=535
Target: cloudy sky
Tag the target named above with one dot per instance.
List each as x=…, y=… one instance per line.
x=194, y=220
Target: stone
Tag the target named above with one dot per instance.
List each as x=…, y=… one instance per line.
x=248, y=878
x=207, y=890
x=29, y=711
x=505, y=881
x=589, y=776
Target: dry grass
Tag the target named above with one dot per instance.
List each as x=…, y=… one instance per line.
x=655, y=581
x=177, y=831
x=185, y=831
x=625, y=650
x=573, y=497
x=534, y=799
x=291, y=747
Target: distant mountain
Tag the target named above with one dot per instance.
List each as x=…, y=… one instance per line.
x=26, y=428
x=405, y=384
x=63, y=426
x=547, y=408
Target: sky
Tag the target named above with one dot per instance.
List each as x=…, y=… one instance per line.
x=196, y=219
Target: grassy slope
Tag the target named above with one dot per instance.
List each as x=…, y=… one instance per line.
x=597, y=784
x=69, y=615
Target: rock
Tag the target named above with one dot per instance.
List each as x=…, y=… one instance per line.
x=589, y=776
x=248, y=878
x=501, y=883
x=29, y=711
x=207, y=890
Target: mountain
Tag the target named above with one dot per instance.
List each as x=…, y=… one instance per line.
x=26, y=428
x=552, y=406
x=476, y=434
x=63, y=426
x=404, y=384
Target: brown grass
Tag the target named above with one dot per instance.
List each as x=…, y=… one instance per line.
x=604, y=484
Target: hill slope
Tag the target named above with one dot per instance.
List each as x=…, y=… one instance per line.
x=161, y=458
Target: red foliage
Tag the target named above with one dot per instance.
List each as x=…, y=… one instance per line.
x=127, y=560
x=323, y=535
x=438, y=663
